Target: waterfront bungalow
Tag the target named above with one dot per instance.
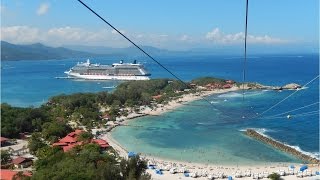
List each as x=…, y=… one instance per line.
x=21, y=162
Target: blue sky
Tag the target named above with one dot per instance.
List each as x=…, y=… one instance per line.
x=166, y=23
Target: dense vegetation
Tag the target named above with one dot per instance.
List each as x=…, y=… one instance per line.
x=208, y=80
x=51, y=118
x=87, y=162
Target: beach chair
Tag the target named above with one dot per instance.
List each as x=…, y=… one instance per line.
x=238, y=174
x=210, y=177
x=290, y=171
x=181, y=170
x=265, y=174
x=221, y=175
x=255, y=176
x=167, y=167
x=248, y=173
x=204, y=173
x=281, y=172
x=304, y=173
x=173, y=170
x=193, y=174
x=300, y=174
x=308, y=172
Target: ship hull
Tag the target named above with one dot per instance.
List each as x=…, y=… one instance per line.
x=106, y=77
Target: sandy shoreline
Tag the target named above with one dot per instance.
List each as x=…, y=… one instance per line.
x=228, y=170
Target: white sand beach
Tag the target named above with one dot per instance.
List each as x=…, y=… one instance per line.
x=211, y=169
x=201, y=169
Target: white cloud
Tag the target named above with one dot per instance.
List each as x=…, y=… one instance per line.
x=67, y=35
x=219, y=37
x=43, y=9
x=115, y=32
x=20, y=34
x=185, y=38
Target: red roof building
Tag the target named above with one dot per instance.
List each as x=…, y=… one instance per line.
x=227, y=86
x=68, y=148
x=157, y=96
x=6, y=174
x=3, y=140
x=59, y=144
x=78, y=131
x=68, y=139
x=102, y=143
x=21, y=162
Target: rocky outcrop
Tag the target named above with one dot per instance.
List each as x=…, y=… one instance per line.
x=281, y=146
x=291, y=86
x=248, y=86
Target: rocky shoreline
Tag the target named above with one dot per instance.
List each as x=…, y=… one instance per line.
x=281, y=146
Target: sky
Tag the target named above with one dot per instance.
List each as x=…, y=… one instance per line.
x=165, y=24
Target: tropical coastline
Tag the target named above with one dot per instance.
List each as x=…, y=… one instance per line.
x=202, y=168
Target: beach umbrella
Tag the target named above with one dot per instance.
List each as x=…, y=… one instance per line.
x=158, y=171
x=304, y=167
x=131, y=154
x=292, y=166
x=230, y=178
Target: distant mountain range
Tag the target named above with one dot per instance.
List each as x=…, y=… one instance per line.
x=38, y=52
x=41, y=52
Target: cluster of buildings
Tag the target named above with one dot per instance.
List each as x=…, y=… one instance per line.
x=227, y=85
x=71, y=140
x=20, y=163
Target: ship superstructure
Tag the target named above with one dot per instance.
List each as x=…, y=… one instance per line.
x=116, y=71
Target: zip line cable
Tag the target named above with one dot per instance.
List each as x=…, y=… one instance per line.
x=245, y=51
x=285, y=98
x=296, y=115
x=157, y=62
x=143, y=51
x=292, y=110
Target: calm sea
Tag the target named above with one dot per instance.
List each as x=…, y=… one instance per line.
x=198, y=132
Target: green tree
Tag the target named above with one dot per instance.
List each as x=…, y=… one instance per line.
x=35, y=142
x=274, y=176
x=85, y=136
x=5, y=157
x=134, y=168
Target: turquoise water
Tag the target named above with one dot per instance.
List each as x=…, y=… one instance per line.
x=201, y=133
x=197, y=132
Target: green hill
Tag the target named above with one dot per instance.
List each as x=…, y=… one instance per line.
x=38, y=52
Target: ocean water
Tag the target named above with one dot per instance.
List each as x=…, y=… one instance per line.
x=197, y=132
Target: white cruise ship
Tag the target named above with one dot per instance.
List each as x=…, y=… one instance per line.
x=116, y=71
